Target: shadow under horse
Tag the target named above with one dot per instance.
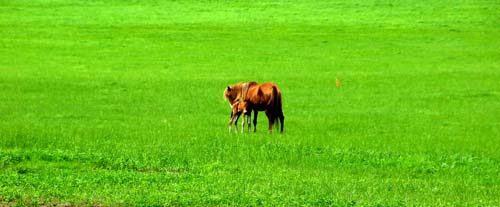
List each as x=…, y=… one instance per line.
x=260, y=97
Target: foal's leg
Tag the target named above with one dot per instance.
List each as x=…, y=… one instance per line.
x=255, y=121
x=247, y=117
x=231, y=123
x=236, y=122
x=243, y=123
x=233, y=119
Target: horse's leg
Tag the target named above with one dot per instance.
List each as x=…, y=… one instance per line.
x=249, y=119
x=270, y=117
x=255, y=121
x=282, y=121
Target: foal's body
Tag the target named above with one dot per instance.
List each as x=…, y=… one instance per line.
x=238, y=108
x=265, y=97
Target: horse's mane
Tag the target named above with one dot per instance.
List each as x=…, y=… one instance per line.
x=239, y=90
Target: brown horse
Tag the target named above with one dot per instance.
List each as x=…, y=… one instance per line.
x=264, y=97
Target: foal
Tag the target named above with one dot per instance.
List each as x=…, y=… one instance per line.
x=238, y=108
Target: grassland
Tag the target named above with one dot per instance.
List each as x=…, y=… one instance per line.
x=120, y=103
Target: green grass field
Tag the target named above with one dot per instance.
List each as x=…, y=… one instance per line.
x=121, y=103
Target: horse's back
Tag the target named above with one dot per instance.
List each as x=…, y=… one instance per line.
x=268, y=89
x=264, y=95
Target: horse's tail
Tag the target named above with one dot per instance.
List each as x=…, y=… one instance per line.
x=277, y=106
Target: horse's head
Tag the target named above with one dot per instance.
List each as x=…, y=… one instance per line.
x=230, y=94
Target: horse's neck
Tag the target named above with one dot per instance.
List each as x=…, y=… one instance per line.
x=244, y=90
x=248, y=89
